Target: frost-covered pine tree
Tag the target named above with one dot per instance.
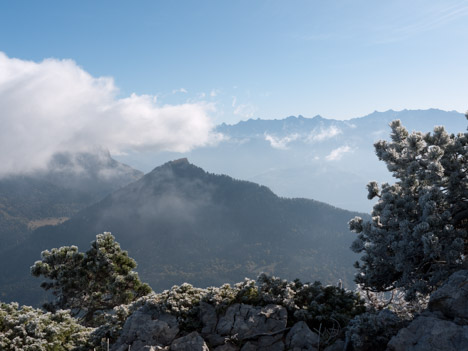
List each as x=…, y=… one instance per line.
x=90, y=283
x=418, y=234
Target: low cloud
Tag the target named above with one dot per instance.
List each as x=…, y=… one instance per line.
x=323, y=134
x=281, y=143
x=55, y=106
x=181, y=90
x=245, y=110
x=338, y=153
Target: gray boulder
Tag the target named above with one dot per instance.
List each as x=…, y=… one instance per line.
x=245, y=321
x=338, y=345
x=427, y=332
x=451, y=299
x=208, y=318
x=265, y=343
x=147, y=328
x=301, y=338
x=444, y=325
x=190, y=342
x=227, y=347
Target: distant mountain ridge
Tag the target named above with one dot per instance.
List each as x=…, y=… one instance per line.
x=324, y=159
x=412, y=118
x=182, y=224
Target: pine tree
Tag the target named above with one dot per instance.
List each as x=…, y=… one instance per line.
x=418, y=233
x=90, y=283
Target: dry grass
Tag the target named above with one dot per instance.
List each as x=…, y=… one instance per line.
x=46, y=221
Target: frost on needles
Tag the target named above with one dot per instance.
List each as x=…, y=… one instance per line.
x=418, y=233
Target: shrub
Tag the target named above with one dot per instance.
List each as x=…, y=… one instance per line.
x=30, y=329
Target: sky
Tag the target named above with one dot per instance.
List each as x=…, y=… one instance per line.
x=174, y=69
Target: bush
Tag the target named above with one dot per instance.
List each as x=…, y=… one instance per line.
x=30, y=329
x=371, y=331
x=91, y=283
x=321, y=307
x=418, y=233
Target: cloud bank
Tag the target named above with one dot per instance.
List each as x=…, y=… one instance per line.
x=55, y=106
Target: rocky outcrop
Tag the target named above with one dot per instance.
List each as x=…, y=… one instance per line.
x=240, y=328
x=300, y=337
x=147, y=328
x=444, y=326
x=243, y=327
x=190, y=342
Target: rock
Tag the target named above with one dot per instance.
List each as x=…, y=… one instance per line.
x=147, y=328
x=190, y=342
x=208, y=318
x=273, y=343
x=265, y=344
x=427, y=332
x=338, y=345
x=227, y=347
x=444, y=325
x=216, y=340
x=452, y=298
x=300, y=337
x=245, y=321
x=249, y=346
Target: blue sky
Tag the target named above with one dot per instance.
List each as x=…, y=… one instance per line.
x=257, y=59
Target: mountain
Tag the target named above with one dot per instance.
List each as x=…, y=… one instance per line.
x=70, y=182
x=182, y=224
x=318, y=158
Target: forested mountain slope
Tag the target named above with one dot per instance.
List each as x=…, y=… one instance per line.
x=70, y=182
x=182, y=224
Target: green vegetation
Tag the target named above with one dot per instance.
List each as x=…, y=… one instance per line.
x=321, y=307
x=90, y=283
x=418, y=234
x=29, y=329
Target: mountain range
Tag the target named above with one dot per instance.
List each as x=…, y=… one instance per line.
x=182, y=223
x=323, y=159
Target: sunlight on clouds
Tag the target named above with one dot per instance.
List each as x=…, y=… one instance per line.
x=338, y=153
x=281, y=143
x=55, y=106
x=324, y=134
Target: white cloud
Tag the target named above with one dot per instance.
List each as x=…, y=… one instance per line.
x=214, y=93
x=245, y=110
x=181, y=90
x=323, y=134
x=55, y=106
x=281, y=143
x=338, y=153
